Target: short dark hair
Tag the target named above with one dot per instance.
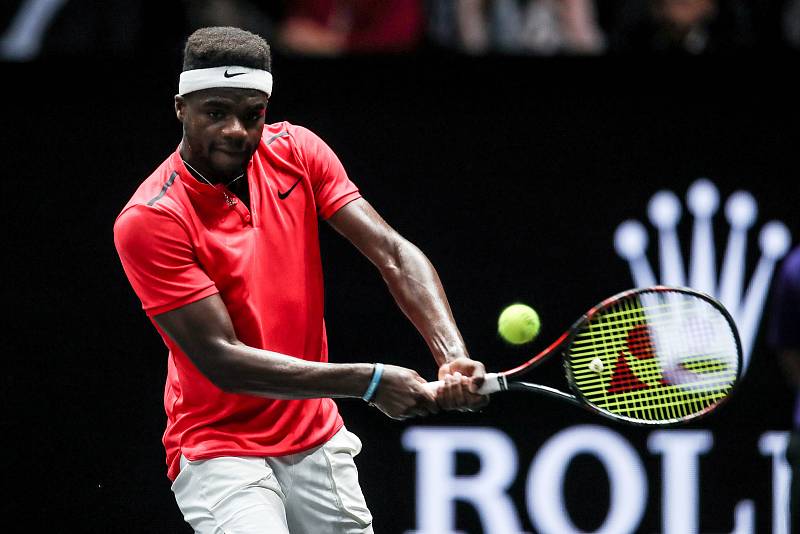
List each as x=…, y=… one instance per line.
x=218, y=46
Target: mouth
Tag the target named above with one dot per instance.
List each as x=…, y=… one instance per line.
x=232, y=152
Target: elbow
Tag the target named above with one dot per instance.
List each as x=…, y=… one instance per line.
x=223, y=381
x=218, y=364
x=398, y=256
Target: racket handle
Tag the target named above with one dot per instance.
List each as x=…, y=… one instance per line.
x=491, y=384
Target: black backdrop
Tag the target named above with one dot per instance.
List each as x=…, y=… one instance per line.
x=511, y=174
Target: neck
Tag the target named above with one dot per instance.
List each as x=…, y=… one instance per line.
x=197, y=169
x=203, y=177
x=206, y=177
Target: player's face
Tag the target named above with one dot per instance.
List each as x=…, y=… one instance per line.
x=221, y=129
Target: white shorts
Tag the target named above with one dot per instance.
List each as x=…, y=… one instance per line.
x=312, y=492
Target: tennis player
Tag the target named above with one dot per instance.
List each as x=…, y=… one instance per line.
x=221, y=245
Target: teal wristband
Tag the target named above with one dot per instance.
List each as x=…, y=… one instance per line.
x=373, y=384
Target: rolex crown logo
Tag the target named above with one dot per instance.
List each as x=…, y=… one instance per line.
x=743, y=298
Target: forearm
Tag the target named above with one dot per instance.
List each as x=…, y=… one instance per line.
x=418, y=291
x=238, y=368
x=411, y=278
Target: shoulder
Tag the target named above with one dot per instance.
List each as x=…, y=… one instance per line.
x=141, y=216
x=284, y=141
x=285, y=133
x=154, y=207
x=139, y=227
x=155, y=186
x=160, y=192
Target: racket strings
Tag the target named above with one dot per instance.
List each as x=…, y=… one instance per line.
x=663, y=357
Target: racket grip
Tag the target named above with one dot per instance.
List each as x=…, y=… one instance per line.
x=491, y=384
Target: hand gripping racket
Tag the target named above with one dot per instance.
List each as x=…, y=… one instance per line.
x=649, y=356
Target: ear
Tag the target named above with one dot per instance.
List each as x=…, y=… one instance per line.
x=180, y=106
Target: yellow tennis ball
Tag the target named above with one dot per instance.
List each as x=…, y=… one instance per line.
x=518, y=324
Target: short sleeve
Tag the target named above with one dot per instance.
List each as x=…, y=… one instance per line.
x=158, y=258
x=332, y=187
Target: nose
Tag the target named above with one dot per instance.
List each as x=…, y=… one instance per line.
x=234, y=129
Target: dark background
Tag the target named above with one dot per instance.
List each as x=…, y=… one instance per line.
x=510, y=173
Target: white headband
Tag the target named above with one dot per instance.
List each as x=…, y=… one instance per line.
x=231, y=76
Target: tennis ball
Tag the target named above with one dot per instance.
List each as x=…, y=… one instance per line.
x=518, y=324
x=596, y=365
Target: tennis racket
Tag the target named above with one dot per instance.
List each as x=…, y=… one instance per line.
x=649, y=356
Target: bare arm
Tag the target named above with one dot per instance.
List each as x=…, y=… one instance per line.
x=203, y=330
x=416, y=288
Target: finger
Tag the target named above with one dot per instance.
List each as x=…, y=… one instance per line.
x=457, y=387
x=426, y=399
x=477, y=379
x=472, y=400
x=475, y=384
x=441, y=394
x=444, y=370
x=445, y=394
x=430, y=403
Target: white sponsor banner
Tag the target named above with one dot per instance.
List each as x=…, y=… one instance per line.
x=438, y=487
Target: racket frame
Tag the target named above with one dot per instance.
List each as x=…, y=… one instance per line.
x=508, y=382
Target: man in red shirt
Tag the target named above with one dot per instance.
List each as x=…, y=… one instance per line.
x=221, y=245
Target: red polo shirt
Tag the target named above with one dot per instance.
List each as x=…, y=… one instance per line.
x=181, y=240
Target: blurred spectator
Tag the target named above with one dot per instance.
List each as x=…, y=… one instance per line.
x=791, y=23
x=542, y=27
x=79, y=27
x=112, y=29
x=134, y=28
x=331, y=27
x=683, y=26
x=251, y=15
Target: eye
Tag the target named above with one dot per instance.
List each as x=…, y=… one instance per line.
x=254, y=116
x=215, y=115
